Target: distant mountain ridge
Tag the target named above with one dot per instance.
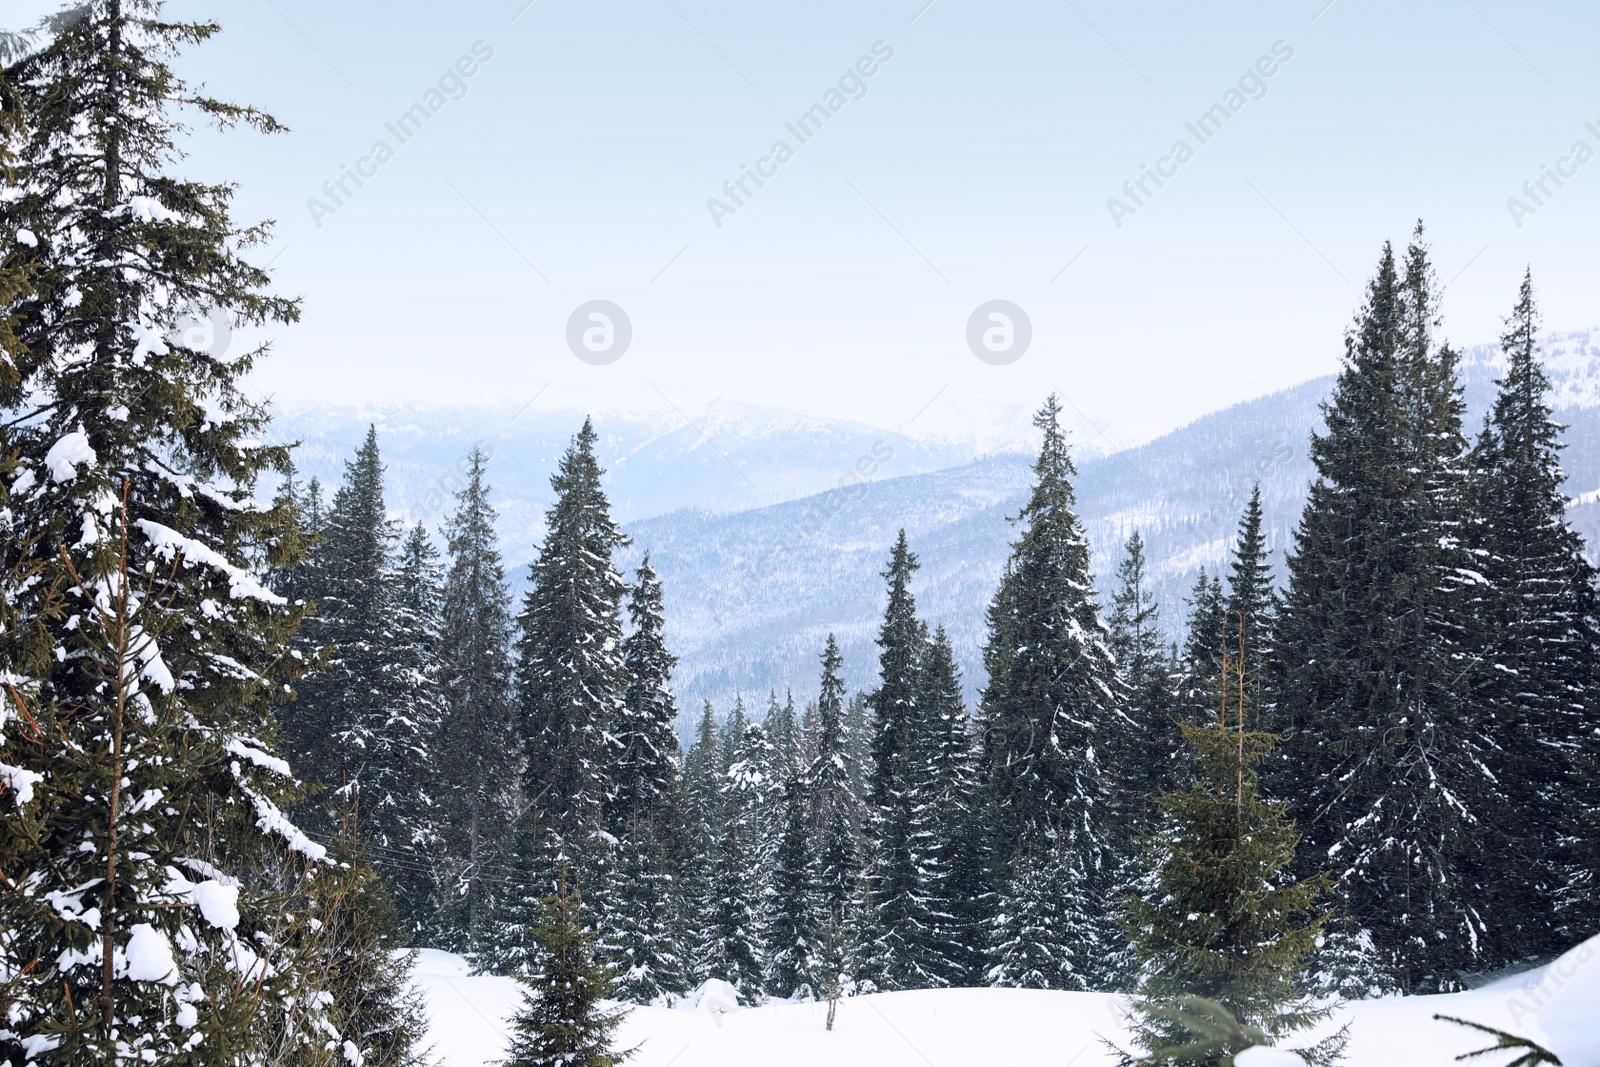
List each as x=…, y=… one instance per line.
x=770, y=527
x=743, y=622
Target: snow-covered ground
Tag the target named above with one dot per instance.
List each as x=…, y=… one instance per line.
x=1558, y=1004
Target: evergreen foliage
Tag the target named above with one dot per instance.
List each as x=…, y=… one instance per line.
x=1143, y=742
x=646, y=766
x=477, y=765
x=1202, y=649
x=571, y=681
x=1251, y=595
x=143, y=792
x=1218, y=917
x=1046, y=712
x=792, y=927
x=836, y=807
x=953, y=821
x=1372, y=658
x=638, y=941
x=563, y=1020
x=367, y=713
x=898, y=793
x=359, y=941
x=1535, y=617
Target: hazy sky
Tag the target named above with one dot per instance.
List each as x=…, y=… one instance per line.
x=976, y=163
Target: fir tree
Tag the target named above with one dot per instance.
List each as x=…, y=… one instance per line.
x=734, y=949
x=646, y=768
x=1218, y=916
x=894, y=702
x=896, y=793
x=953, y=824
x=836, y=805
x=638, y=941
x=1370, y=661
x=368, y=711
x=359, y=938
x=1050, y=702
x=1035, y=939
x=1536, y=618
x=529, y=866
x=858, y=734
x=695, y=829
x=477, y=764
x=792, y=929
x=563, y=1020
x=571, y=681
x=337, y=726
x=1202, y=649
x=783, y=728
x=1142, y=747
x=399, y=813
x=1251, y=595
x=149, y=750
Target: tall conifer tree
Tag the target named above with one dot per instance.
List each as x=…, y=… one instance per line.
x=646, y=769
x=1143, y=746
x=478, y=762
x=571, y=681
x=899, y=921
x=837, y=806
x=1536, y=621
x=1251, y=596
x=146, y=821
x=1370, y=660
x=1051, y=699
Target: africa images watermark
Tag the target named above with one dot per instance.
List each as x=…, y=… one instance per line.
x=452, y=85
x=852, y=85
x=1538, y=191
x=1252, y=85
x=1529, y=1002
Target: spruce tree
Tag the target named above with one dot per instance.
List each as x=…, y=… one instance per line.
x=154, y=833
x=369, y=709
x=783, y=729
x=1371, y=664
x=1536, y=624
x=1202, y=649
x=894, y=702
x=571, y=681
x=529, y=866
x=1034, y=936
x=696, y=827
x=638, y=940
x=836, y=806
x=477, y=764
x=332, y=734
x=792, y=929
x=359, y=938
x=898, y=907
x=952, y=821
x=734, y=947
x=1219, y=916
x=400, y=814
x=646, y=768
x=1251, y=595
x=1049, y=705
x=1143, y=745
x=563, y=1020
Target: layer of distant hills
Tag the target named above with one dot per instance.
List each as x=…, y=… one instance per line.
x=770, y=527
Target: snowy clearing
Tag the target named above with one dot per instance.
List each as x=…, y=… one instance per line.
x=959, y=1027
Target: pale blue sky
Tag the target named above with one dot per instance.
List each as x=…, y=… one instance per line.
x=976, y=166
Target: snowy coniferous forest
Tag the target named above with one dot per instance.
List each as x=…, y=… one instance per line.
x=251, y=749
